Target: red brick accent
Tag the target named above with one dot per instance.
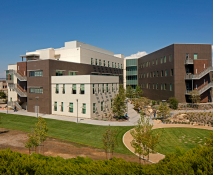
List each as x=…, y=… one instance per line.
x=199, y=65
x=22, y=68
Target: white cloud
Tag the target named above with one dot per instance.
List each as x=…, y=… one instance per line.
x=3, y=74
x=137, y=55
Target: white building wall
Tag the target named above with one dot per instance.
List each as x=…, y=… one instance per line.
x=124, y=74
x=11, y=93
x=71, y=55
x=89, y=98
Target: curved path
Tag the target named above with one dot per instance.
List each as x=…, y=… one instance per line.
x=155, y=158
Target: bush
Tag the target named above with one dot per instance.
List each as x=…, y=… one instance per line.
x=173, y=102
x=158, y=102
x=153, y=102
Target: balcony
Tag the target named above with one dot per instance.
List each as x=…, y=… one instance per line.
x=189, y=61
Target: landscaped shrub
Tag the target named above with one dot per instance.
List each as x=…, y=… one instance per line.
x=173, y=102
x=153, y=102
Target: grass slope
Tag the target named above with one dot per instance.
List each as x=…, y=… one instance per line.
x=186, y=138
x=85, y=134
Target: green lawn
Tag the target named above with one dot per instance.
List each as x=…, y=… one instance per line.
x=79, y=133
x=186, y=138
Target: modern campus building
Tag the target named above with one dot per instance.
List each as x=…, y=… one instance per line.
x=176, y=70
x=78, y=78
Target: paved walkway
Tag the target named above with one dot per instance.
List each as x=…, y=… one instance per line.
x=155, y=158
x=134, y=117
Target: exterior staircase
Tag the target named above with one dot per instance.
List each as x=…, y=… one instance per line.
x=20, y=77
x=14, y=103
x=20, y=91
x=202, y=90
x=198, y=76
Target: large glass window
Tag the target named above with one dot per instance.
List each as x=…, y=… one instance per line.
x=36, y=90
x=82, y=89
x=94, y=108
x=195, y=56
x=63, y=91
x=74, y=89
x=84, y=108
x=57, y=89
x=55, y=106
x=36, y=73
x=72, y=73
x=59, y=73
x=71, y=107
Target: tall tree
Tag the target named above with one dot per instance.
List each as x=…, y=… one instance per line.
x=164, y=110
x=2, y=95
x=194, y=96
x=119, y=104
x=129, y=92
x=138, y=91
x=32, y=141
x=109, y=141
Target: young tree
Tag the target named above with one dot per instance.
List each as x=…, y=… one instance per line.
x=141, y=137
x=129, y=92
x=138, y=91
x=41, y=130
x=194, y=97
x=119, y=105
x=109, y=140
x=32, y=141
x=173, y=102
x=209, y=141
x=2, y=95
x=164, y=110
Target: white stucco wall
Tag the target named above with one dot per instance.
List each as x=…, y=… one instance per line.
x=88, y=98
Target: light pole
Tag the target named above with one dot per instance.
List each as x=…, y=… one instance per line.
x=77, y=110
x=37, y=105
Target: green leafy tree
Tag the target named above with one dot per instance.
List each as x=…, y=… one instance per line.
x=194, y=97
x=173, y=102
x=164, y=110
x=32, y=141
x=109, y=141
x=141, y=137
x=41, y=130
x=2, y=95
x=119, y=104
x=138, y=91
x=209, y=141
x=129, y=92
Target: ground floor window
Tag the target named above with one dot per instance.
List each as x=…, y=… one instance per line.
x=71, y=107
x=62, y=106
x=55, y=106
x=102, y=106
x=84, y=108
x=93, y=108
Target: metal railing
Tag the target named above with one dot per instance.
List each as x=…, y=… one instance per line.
x=20, y=77
x=14, y=103
x=202, y=90
x=189, y=61
x=200, y=75
x=20, y=91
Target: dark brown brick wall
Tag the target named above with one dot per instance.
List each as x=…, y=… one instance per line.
x=22, y=68
x=178, y=52
x=199, y=66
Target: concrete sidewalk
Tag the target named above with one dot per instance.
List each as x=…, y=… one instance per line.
x=133, y=117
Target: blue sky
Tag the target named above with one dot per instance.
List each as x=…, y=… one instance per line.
x=126, y=27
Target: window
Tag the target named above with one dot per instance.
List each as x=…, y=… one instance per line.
x=156, y=61
x=107, y=87
x=93, y=109
x=62, y=106
x=63, y=91
x=59, y=73
x=171, y=72
x=93, y=88
x=161, y=86
x=162, y=73
x=165, y=86
x=187, y=56
x=84, y=108
x=72, y=73
x=111, y=103
x=147, y=75
x=153, y=74
x=115, y=65
x=118, y=65
x=96, y=62
x=157, y=86
x=150, y=74
x=153, y=86
x=112, y=87
x=36, y=90
x=74, y=89
x=165, y=59
x=161, y=60
x=82, y=89
x=100, y=62
x=147, y=64
x=108, y=63
x=121, y=66
x=112, y=64
x=104, y=63
x=57, y=89
x=102, y=106
x=71, y=107
x=55, y=106
x=170, y=87
x=91, y=61
x=36, y=73
x=102, y=88
x=170, y=58
x=195, y=56
x=165, y=73
x=153, y=62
